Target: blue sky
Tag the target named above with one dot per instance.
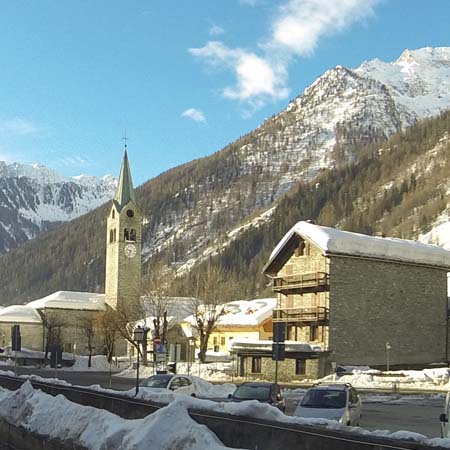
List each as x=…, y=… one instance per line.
x=184, y=78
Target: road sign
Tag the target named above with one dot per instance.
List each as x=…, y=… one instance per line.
x=161, y=357
x=157, y=340
x=278, y=352
x=160, y=348
x=279, y=331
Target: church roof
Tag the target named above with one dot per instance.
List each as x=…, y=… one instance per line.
x=20, y=314
x=125, y=190
x=71, y=300
x=337, y=242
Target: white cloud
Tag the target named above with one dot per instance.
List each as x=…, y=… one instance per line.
x=257, y=79
x=215, y=30
x=195, y=114
x=18, y=126
x=296, y=29
x=301, y=23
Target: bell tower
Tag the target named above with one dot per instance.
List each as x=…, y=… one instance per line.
x=123, y=244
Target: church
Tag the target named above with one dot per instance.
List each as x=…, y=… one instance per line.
x=67, y=317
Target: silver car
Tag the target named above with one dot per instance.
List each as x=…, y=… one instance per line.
x=338, y=402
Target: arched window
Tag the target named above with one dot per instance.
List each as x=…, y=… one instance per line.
x=113, y=213
x=126, y=234
x=111, y=236
x=115, y=237
x=132, y=234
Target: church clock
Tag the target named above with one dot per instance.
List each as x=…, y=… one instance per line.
x=130, y=250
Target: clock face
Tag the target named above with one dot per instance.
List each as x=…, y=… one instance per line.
x=130, y=250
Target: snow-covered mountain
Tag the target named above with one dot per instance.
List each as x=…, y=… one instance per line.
x=321, y=128
x=33, y=198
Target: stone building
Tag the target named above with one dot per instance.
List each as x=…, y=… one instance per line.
x=349, y=296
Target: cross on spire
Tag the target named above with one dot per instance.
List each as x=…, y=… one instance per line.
x=125, y=139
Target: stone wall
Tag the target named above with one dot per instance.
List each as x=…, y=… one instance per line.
x=31, y=335
x=374, y=302
x=286, y=369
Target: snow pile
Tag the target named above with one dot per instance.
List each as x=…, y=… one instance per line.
x=204, y=389
x=217, y=371
x=98, y=429
x=98, y=363
x=366, y=378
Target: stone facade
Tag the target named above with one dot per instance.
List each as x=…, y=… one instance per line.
x=362, y=303
x=123, y=267
x=374, y=302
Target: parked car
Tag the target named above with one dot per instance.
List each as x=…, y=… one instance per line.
x=339, y=402
x=263, y=392
x=181, y=384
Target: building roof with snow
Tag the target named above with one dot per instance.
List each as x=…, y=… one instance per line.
x=22, y=314
x=85, y=301
x=244, y=313
x=337, y=242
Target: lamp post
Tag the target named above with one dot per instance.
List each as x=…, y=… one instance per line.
x=138, y=337
x=388, y=347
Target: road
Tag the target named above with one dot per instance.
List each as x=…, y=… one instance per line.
x=418, y=413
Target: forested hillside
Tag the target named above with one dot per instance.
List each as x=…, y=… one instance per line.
x=398, y=188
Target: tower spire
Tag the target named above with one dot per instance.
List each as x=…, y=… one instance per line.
x=125, y=190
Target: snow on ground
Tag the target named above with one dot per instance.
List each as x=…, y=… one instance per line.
x=365, y=378
x=98, y=429
x=217, y=371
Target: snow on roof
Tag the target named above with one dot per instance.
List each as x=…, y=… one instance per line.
x=266, y=345
x=20, y=314
x=242, y=313
x=71, y=300
x=333, y=241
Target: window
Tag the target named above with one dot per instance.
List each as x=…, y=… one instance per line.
x=299, y=251
x=68, y=347
x=215, y=340
x=222, y=341
x=300, y=367
x=313, y=332
x=133, y=235
x=126, y=234
x=113, y=214
x=130, y=213
x=256, y=364
x=111, y=236
x=115, y=235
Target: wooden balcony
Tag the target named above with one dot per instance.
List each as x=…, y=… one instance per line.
x=305, y=282
x=314, y=314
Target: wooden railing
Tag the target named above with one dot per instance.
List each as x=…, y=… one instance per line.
x=306, y=315
x=300, y=281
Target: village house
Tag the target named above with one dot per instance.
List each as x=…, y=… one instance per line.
x=349, y=299
x=242, y=320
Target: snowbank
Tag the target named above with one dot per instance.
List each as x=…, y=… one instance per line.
x=366, y=378
x=98, y=429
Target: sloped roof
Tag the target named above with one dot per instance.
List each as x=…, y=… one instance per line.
x=20, y=314
x=241, y=313
x=333, y=241
x=71, y=300
x=125, y=190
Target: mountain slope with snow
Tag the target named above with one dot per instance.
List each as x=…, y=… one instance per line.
x=206, y=207
x=34, y=198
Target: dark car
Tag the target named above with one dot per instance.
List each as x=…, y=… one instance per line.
x=263, y=392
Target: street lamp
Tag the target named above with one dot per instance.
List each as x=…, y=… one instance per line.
x=388, y=347
x=138, y=337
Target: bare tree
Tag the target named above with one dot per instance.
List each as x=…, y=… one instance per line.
x=158, y=302
x=53, y=323
x=124, y=319
x=107, y=332
x=209, y=288
x=87, y=325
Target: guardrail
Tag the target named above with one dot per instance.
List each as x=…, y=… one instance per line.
x=233, y=431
